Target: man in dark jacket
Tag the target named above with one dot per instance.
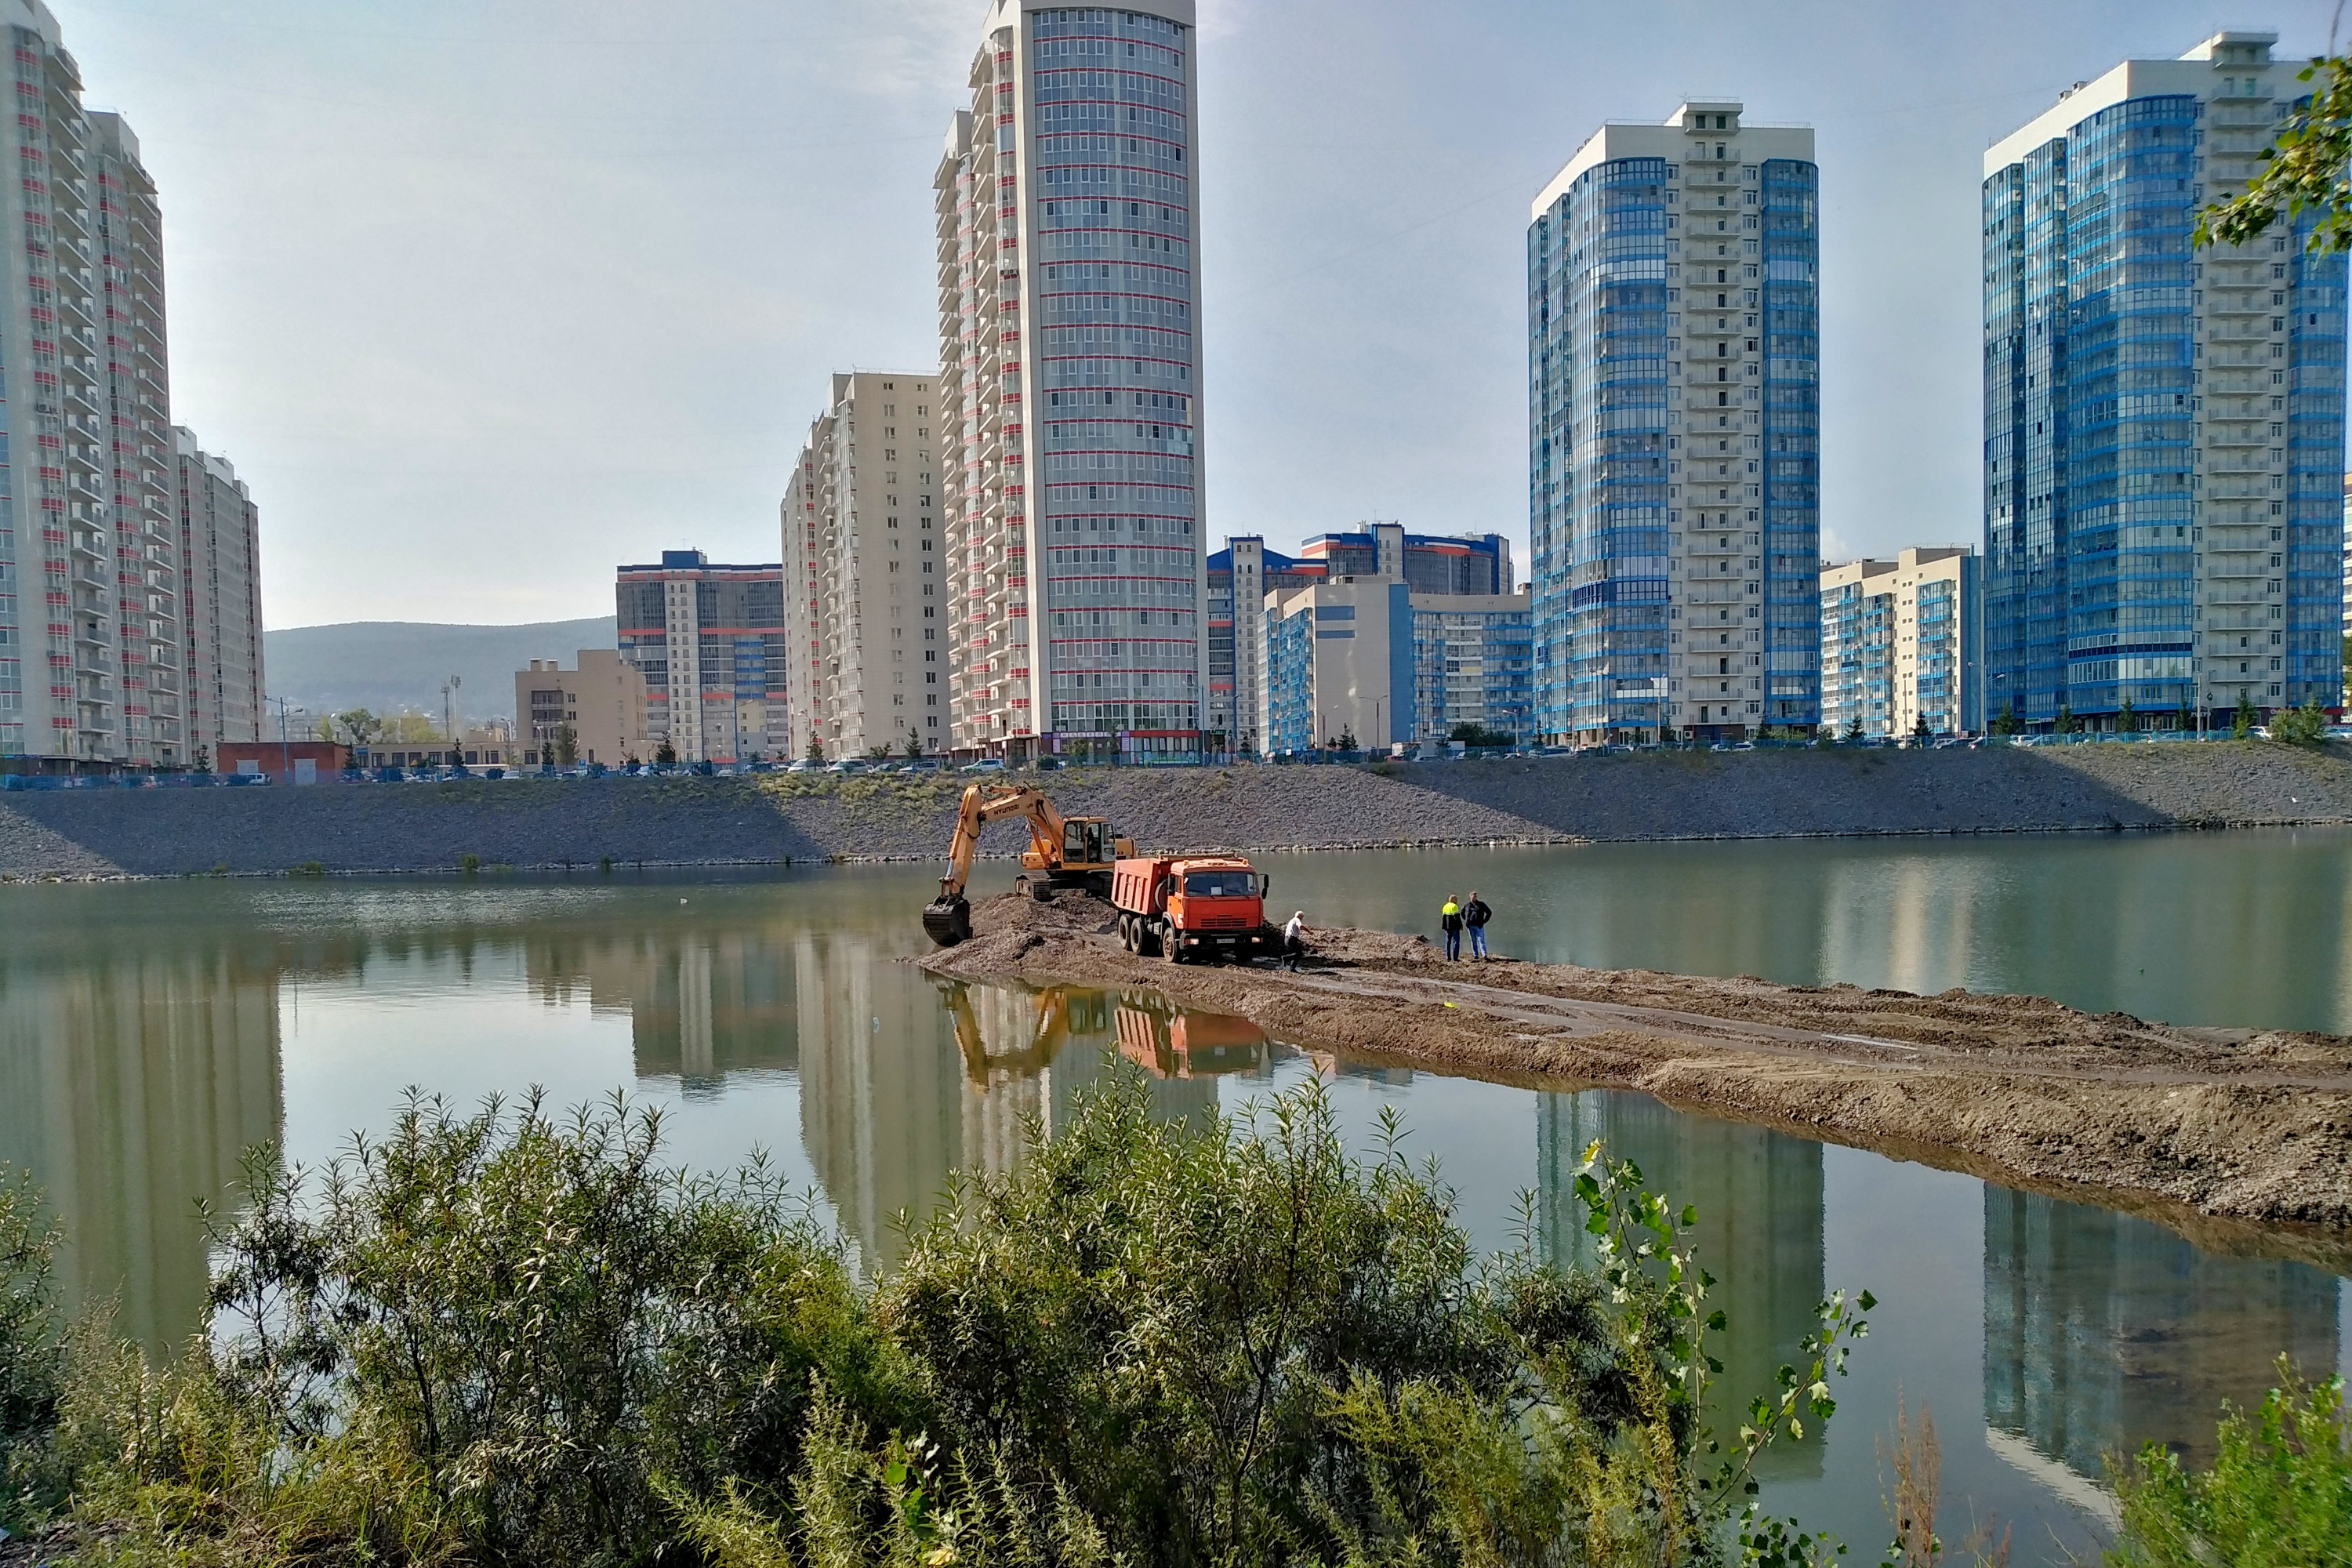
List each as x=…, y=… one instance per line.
x=1476, y=914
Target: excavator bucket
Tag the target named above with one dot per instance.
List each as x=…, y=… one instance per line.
x=947, y=919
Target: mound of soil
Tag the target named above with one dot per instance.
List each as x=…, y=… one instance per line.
x=2227, y=1124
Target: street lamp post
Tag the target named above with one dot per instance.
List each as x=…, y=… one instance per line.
x=285, y=745
x=448, y=718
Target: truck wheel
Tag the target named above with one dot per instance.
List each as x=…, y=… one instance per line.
x=1169, y=949
x=1127, y=932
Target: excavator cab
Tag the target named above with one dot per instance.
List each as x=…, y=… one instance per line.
x=1082, y=842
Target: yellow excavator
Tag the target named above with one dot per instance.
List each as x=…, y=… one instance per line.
x=1063, y=852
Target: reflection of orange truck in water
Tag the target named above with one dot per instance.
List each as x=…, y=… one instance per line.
x=1188, y=1045
x=1184, y=907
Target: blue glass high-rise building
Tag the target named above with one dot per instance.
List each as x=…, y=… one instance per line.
x=2164, y=427
x=1674, y=441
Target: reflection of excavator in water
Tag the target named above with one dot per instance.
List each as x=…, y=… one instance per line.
x=1031, y=1042
x=1063, y=852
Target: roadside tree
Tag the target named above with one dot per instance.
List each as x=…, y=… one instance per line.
x=2304, y=726
x=2242, y=721
x=359, y=728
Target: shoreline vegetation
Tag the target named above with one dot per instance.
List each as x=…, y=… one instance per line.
x=785, y=818
x=516, y=1336
x=2228, y=1136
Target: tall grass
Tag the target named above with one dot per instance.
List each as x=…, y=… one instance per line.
x=516, y=1336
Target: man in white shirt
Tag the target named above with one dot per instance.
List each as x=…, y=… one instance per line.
x=1293, y=940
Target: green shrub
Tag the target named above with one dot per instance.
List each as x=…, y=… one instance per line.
x=30, y=1363
x=2304, y=726
x=515, y=1337
x=2280, y=1489
x=469, y=865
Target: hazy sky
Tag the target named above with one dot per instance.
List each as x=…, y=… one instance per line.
x=486, y=298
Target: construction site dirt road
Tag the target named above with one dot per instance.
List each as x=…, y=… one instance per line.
x=2240, y=1139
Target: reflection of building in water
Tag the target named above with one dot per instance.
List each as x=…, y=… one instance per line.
x=131, y=1085
x=1758, y=1195
x=703, y=1001
x=2104, y=1332
x=901, y=1085
x=882, y=1112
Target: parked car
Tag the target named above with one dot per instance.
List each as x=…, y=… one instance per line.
x=985, y=765
x=1047, y=764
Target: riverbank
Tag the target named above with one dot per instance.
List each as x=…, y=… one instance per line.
x=774, y=818
x=2204, y=1130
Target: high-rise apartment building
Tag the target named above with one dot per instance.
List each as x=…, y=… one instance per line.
x=1426, y=563
x=2164, y=427
x=1472, y=663
x=1240, y=576
x=863, y=572
x=90, y=581
x=1674, y=404
x=2347, y=555
x=1069, y=383
x=710, y=641
x=1902, y=644
x=219, y=556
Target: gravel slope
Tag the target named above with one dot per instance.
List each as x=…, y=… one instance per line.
x=802, y=817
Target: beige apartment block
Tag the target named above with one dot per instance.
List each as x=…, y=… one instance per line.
x=864, y=596
x=1339, y=662
x=220, y=597
x=1902, y=644
x=1066, y=206
x=602, y=701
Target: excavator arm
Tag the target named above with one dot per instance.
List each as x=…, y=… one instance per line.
x=948, y=918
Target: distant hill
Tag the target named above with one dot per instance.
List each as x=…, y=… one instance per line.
x=385, y=666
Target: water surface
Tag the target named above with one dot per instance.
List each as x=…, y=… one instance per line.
x=149, y=1033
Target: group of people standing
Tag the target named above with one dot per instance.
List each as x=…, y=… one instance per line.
x=1455, y=917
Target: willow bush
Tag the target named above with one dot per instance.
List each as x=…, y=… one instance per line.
x=515, y=1337
x=2280, y=1491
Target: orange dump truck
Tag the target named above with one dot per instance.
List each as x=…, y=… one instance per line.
x=1185, y=907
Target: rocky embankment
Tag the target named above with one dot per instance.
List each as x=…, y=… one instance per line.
x=801, y=817
x=2210, y=1130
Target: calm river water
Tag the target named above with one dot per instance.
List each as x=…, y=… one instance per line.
x=150, y=1031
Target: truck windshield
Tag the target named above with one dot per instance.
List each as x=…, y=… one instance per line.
x=1219, y=885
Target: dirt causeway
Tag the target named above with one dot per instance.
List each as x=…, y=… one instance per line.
x=2204, y=1130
